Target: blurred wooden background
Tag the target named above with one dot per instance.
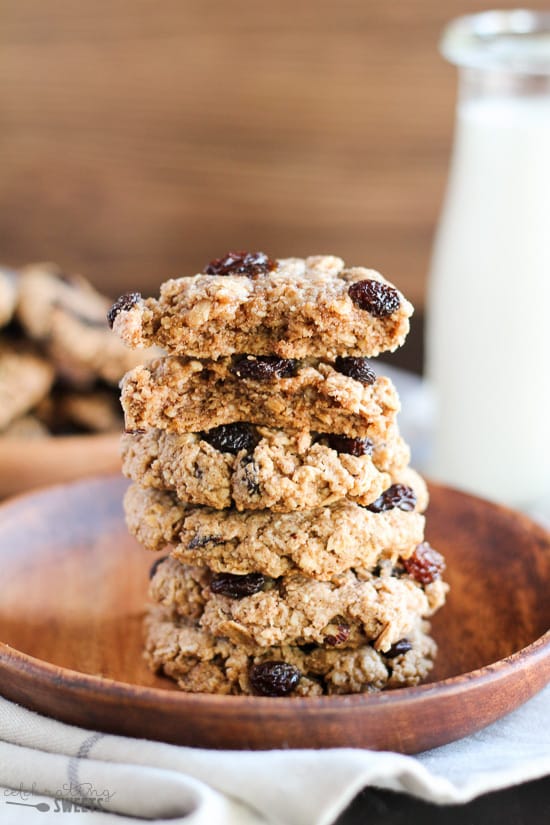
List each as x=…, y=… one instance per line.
x=141, y=138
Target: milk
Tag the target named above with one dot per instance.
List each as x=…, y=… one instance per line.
x=488, y=342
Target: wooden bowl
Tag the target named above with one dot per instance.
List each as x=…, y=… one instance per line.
x=35, y=462
x=73, y=595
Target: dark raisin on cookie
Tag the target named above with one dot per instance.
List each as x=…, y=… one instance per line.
x=232, y=438
x=398, y=649
x=235, y=586
x=241, y=263
x=350, y=446
x=273, y=678
x=338, y=638
x=67, y=278
x=155, y=566
x=357, y=368
x=398, y=495
x=425, y=565
x=374, y=297
x=202, y=541
x=123, y=304
x=263, y=367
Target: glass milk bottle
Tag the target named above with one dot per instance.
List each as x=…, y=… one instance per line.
x=488, y=331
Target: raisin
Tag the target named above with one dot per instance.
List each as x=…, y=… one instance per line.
x=67, y=278
x=155, y=566
x=350, y=446
x=202, y=541
x=338, y=638
x=376, y=298
x=357, y=368
x=241, y=263
x=236, y=587
x=425, y=565
x=273, y=678
x=123, y=304
x=400, y=647
x=251, y=478
x=264, y=367
x=398, y=495
x=232, y=438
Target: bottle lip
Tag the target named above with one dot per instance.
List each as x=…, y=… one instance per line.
x=515, y=41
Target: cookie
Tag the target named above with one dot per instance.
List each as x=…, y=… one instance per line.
x=25, y=378
x=184, y=395
x=255, y=468
x=95, y=411
x=45, y=287
x=293, y=307
x=354, y=608
x=69, y=318
x=202, y=663
x=321, y=543
x=8, y=294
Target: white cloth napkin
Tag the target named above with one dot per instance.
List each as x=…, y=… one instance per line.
x=60, y=768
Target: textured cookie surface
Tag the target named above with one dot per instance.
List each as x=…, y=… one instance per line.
x=255, y=468
x=202, y=663
x=185, y=395
x=354, y=608
x=321, y=543
x=97, y=410
x=298, y=308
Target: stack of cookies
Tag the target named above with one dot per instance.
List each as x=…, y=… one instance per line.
x=265, y=455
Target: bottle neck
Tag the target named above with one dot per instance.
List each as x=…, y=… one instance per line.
x=475, y=83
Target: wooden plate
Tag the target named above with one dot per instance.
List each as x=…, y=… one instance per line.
x=73, y=594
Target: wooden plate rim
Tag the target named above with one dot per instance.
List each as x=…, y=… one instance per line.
x=537, y=652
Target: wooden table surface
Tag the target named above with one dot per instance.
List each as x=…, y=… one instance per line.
x=141, y=138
